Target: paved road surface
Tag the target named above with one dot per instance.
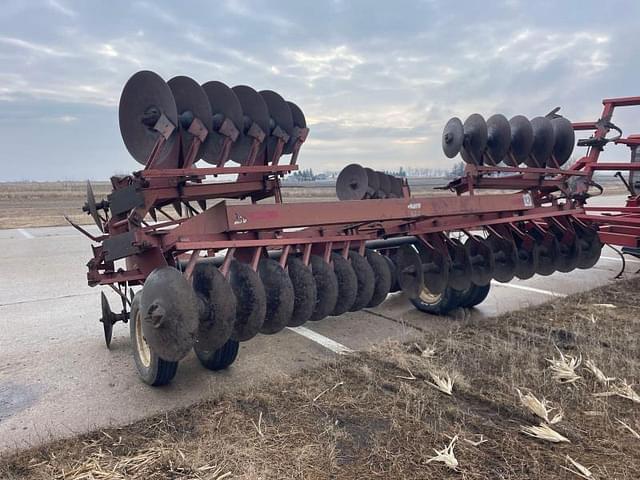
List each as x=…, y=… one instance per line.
x=57, y=378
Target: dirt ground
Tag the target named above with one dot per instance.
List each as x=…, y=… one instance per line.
x=44, y=204
x=374, y=414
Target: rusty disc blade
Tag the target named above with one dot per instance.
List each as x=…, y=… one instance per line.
x=254, y=110
x=498, y=139
x=352, y=183
x=542, y=142
x=505, y=257
x=435, y=268
x=224, y=105
x=482, y=260
x=452, y=137
x=385, y=184
x=145, y=97
x=279, y=116
x=475, y=139
x=191, y=101
x=169, y=313
x=409, y=271
x=299, y=121
x=460, y=267
x=565, y=139
x=521, y=138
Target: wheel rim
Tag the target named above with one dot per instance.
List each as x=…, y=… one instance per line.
x=144, y=352
x=427, y=297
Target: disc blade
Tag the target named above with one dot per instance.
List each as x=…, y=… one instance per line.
x=147, y=95
x=565, y=139
x=92, y=208
x=304, y=289
x=366, y=280
x=107, y=319
x=460, y=267
x=190, y=97
x=396, y=186
x=542, y=142
x=475, y=139
x=385, y=184
x=352, y=183
x=590, y=247
x=528, y=255
x=298, y=121
x=279, y=292
x=216, y=327
x=373, y=180
x=505, y=257
x=548, y=252
x=347, y=284
x=409, y=271
x=498, y=139
x=568, y=251
x=452, y=137
x=326, y=288
x=224, y=105
x=521, y=138
x=435, y=267
x=482, y=261
x=251, y=301
x=168, y=306
x=254, y=110
x=280, y=116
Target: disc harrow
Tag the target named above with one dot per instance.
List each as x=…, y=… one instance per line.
x=196, y=270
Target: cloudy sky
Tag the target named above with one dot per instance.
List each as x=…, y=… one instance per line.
x=377, y=80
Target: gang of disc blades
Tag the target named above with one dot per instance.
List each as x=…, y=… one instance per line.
x=482, y=261
x=409, y=271
x=254, y=110
x=385, y=184
x=280, y=116
x=498, y=139
x=452, y=137
x=435, y=268
x=190, y=97
x=505, y=257
x=298, y=121
x=224, y=104
x=475, y=139
x=521, y=138
x=542, y=142
x=564, y=139
x=146, y=96
x=352, y=183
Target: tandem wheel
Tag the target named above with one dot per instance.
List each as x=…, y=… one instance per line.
x=450, y=299
x=152, y=369
x=218, y=359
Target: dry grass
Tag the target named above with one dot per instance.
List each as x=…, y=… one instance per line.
x=373, y=414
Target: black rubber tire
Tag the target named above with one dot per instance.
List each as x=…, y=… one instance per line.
x=221, y=358
x=279, y=292
x=251, y=301
x=158, y=372
x=446, y=301
x=366, y=280
x=216, y=327
x=381, y=275
x=474, y=295
x=347, y=284
x=395, y=286
x=304, y=291
x=326, y=288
